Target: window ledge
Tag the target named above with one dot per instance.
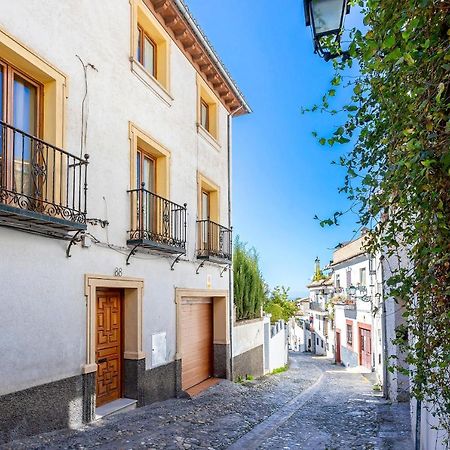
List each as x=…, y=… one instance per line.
x=208, y=137
x=158, y=89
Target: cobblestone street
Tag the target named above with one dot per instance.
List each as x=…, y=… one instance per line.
x=313, y=405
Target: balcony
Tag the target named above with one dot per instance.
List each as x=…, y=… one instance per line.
x=42, y=187
x=214, y=242
x=158, y=224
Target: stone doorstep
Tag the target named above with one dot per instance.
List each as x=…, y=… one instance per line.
x=115, y=407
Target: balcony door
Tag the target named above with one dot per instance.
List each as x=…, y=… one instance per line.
x=206, y=205
x=147, y=202
x=22, y=165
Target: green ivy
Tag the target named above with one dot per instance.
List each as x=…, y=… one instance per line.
x=398, y=170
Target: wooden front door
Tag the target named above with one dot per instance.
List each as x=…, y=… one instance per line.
x=109, y=346
x=338, y=347
x=365, y=348
x=196, y=341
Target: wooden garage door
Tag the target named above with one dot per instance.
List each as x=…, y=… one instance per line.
x=196, y=341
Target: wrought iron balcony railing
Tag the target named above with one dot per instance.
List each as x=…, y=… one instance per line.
x=157, y=223
x=42, y=187
x=214, y=242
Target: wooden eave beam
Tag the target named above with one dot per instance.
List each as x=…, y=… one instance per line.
x=176, y=25
x=161, y=6
x=172, y=21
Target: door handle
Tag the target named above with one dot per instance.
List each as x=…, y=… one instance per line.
x=102, y=360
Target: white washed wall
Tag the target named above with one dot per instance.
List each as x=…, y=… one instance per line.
x=247, y=335
x=278, y=349
x=432, y=436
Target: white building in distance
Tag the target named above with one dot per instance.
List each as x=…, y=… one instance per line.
x=357, y=304
x=321, y=340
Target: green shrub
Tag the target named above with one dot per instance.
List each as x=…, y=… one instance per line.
x=279, y=305
x=249, y=287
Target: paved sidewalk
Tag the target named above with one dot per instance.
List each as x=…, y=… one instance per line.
x=314, y=405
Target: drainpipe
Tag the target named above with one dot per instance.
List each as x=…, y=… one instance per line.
x=385, y=342
x=385, y=357
x=418, y=424
x=230, y=272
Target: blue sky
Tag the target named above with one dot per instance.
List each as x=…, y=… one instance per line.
x=282, y=177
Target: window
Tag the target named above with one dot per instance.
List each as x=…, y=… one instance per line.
x=204, y=215
x=208, y=202
x=150, y=50
x=362, y=276
x=150, y=162
x=147, y=206
x=16, y=67
x=207, y=112
x=20, y=108
x=208, y=215
x=349, y=334
x=205, y=205
x=204, y=114
x=145, y=171
x=34, y=173
x=338, y=281
x=349, y=277
x=146, y=51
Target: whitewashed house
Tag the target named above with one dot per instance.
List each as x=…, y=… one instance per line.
x=302, y=306
x=115, y=208
x=296, y=334
x=320, y=293
x=357, y=304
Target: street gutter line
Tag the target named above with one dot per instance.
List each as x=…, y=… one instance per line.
x=257, y=435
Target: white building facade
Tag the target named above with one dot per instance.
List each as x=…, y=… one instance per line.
x=296, y=334
x=320, y=293
x=111, y=263
x=357, y=304
x=316, y=323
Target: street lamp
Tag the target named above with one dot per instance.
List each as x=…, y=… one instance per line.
x=352, y=290
x=326, y=18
